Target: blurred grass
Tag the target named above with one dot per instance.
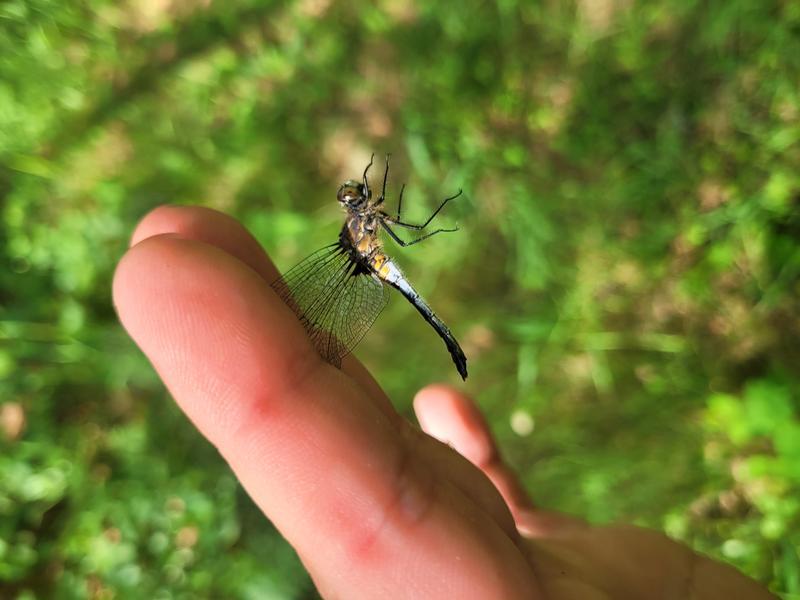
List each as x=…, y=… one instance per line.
x=625, y=282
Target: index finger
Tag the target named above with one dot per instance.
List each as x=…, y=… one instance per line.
x=226, y=233
x=337, y=476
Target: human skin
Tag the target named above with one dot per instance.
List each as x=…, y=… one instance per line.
x=374, y=506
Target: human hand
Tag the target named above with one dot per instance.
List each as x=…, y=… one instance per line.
x=373, y=506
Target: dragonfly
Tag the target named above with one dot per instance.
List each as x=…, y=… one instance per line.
x=338, y=291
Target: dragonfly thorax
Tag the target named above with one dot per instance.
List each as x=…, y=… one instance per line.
x=363, y=219
x=361, y=230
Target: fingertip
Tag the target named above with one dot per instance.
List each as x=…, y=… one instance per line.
x=161, y=219
x=188, y=221
x=209, y=226
x=437, y=397
x=451, y=417
x=133, y=269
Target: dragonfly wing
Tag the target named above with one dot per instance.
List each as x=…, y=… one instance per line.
x=335, y=300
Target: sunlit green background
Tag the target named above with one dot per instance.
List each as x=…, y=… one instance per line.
x=625, y=281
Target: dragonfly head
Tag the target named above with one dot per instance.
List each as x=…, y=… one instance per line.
x=353, y=194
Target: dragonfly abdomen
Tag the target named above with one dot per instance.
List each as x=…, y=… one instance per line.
x=391, y=274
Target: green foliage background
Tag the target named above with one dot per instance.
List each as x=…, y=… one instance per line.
x=626, y=279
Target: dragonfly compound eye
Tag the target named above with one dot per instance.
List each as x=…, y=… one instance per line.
x=351, y=193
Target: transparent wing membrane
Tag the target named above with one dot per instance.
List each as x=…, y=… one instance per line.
x=334, y=298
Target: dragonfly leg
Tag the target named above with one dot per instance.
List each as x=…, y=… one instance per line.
x=382, y=197
x=403, y=243
x=397, y=221
x=366, y=182
x=400, y=203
